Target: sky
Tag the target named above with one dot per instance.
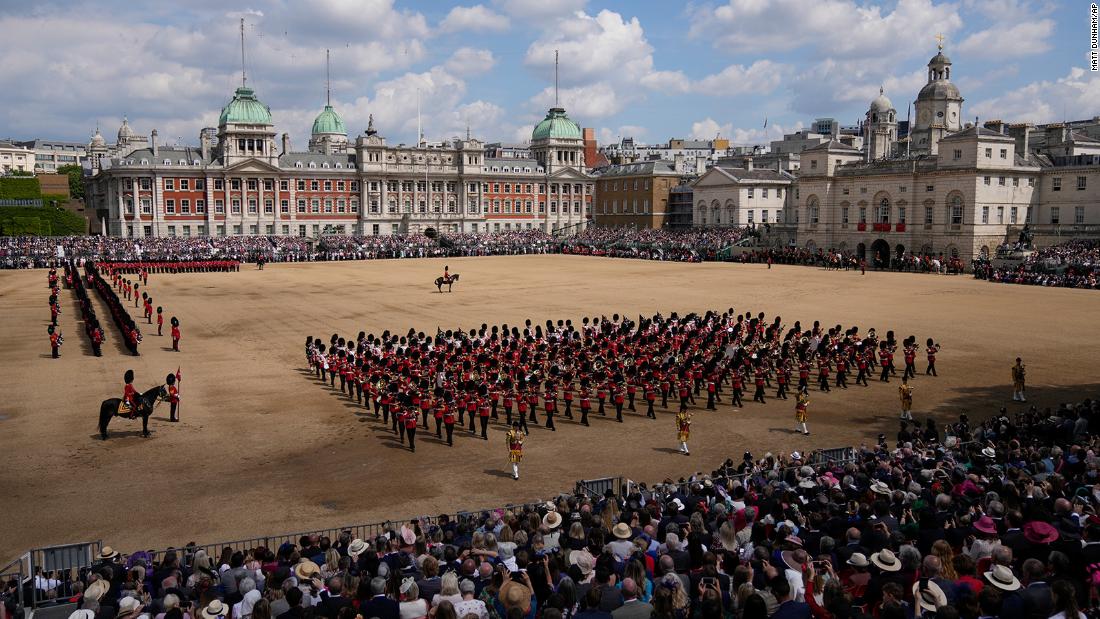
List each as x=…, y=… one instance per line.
x=646, y=69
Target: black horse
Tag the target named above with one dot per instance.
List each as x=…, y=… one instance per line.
x=144, y=403
x=439, y=281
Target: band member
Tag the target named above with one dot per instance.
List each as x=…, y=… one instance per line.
x=97, y=341
x=760, y=380
x=801, y=405
x=842, y=371
x=160, y=320
x=738, y=386
x=567, y=396
x=129, y=394
x=905, y=391
x=411, y=421
x=685, y=394
x=823, y=367
x=176, y=334
x=508, y=400
x=910, y=355
x=173, y=396
x=55, y=341
x=861, y=366
x=1018, y=374
x=515, y=440
x=650, y=398
x=618, y=398
x=631, y=391
x=931, y=350
x=449, y=422
x=586, y=403
x=885, y=361
x=55, y=309
x=483, y=412
x=551, y=400
x=683, y=430
x=601, y=397
x=782, y=377
x=803, y=376
x=712, y=388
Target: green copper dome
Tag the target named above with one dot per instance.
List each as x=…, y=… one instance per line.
x=245, y=108
x=556, y=125
x=328, y=121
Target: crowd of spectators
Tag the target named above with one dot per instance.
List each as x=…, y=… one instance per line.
x=992, y=521
x=654, y=244
x=1073, y=264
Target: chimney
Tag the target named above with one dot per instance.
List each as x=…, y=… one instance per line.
x=748, y=164
x=995, y=126
x=286, y=144
x=326, y=145
x=153, y=144
x=678, y=163
x=1021, y=132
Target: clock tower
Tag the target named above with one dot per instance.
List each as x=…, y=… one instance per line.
x=938, y=106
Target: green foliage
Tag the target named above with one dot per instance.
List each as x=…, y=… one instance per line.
x=20, y=173
x=19, y=188
x=76, y=179
x=40, y=221
x=48, y=199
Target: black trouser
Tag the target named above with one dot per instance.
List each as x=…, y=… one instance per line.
x=412, y=438
x=600, y=409
x=823, y=383
x=450, y=433
x=619, y=412
x=97, y=349
x=893, y=370
x=861, y=377
x=630, y=401
x=485, y=428
x=758, y=396
x=736, y=399
x=910, y=371
x=401, y=429
x=424, y=413
x=438, y=428
x=56, y=352
x=550, y=420
x=803, y=384
x=885, y=376
x=522, y=419
x=710, y=401
x=332, y=379
x=664, y=398
x=533, y=412
x=472, y=421
x=569, y=409
x=842, y=380
x=508, y=415
x=781, y=392
x=683, y=404
x=584, y=416
x=494, y=411
x=172, y=414
x=931, y=369
x=385, y=413
x=649, y=409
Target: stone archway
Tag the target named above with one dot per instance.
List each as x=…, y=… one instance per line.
x=880, y=254
x=861, y=251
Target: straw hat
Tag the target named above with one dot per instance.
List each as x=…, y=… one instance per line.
x=108, y=553
x=356, y=548
x=515, y=595
x=931, y=597
x=583, y=560
x=879, y=487
x=858, y=559
x=552, y=520
x=1002, y=578
x=886, y=561
x=215, y=609
x=83, y=613
x=306, y=569
x=989, y=452
x=96, y=590
x=128, y=606
x=622, y=531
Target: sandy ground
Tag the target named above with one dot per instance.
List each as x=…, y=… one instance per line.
x=263, y=448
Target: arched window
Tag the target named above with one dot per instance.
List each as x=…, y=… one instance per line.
x=884, y=211
x=812, y=211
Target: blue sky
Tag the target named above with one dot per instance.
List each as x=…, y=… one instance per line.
x=647, y=69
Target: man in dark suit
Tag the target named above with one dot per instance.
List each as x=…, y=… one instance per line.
x=788, y=608
x=379, y=605
x=333, y=600
x=294, y=599
x=1038, y=602
x=632, y=607
x=845, y=552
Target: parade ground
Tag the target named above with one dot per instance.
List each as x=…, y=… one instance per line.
x=262, y=447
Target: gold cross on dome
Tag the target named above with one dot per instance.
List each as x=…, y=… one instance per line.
x=939, y=41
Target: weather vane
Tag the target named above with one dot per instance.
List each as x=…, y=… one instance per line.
x=939, y=41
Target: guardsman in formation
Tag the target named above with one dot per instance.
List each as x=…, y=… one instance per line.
x=55, y=309
x=449, y=420
x=910, y=354
x=885, y=359
x=410, y=422
x=586, y=401
x=782, y=377
x=905, y=392
x=800, y=408
x=160, y=319
x=737, y=382
x=931, y=350
x=515, y=440
x=683, y=430
x=97, y=341
x=175, y=334
x=1018, y=375
x=173, y=396
x=55, y=340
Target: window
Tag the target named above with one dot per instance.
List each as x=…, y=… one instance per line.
x=989, y=153
x=219, y=184
x=901, y=214
x=985, y=214
x=253, y=229
x=862, y=214
x=752, y=216
x=929, y=188
x=301, y=185
x=884, y=211
x=315, y=205
x=301, y=206
x=219, y=206
x=328, y=185
x=844, y=215
x=1012, y=212
x=269, y=206
x=1015, y=181
x=314, y=186
x=813, y=164
x=1080, y=183
x=956, y=211
x=1031, y=182
x=269, y=185
x=903, y=189
x=185, y=185
x=284, y=185
x=1000, y=181
x=1055, y=215
x=328, y=205
x=251, y=184
x=1004, y=153
x=170, y=207
x=253, y=206
x=927, y=216
x=1000, y=214
x=171, y=231
x=169, y=184
x=185, y=207
x=1078, y=215
x=764, y=192
x=284, y=207
x=764, y=216
x=145, y=184
x=987, y=180
x=958, y=154
x=235, y=185
x=1056, y=183
x=750, y=192
x=146, y=206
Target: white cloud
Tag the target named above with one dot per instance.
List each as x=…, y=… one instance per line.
x=539, y=9
x=604, y=46
x=595, y=100
x=477, y=18
x=762, y=76
x=470, y=61
x=607, y=135
x=1070, y=97
x=842, y=28
x=708, y=128
x=831, y=84
x=1010, y=40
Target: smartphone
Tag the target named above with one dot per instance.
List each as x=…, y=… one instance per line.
x=709, y=581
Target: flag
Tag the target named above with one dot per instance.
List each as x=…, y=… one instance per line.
x=765, y=121
x=179, y=378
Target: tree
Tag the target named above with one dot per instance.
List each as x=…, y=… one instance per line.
x=76, y=179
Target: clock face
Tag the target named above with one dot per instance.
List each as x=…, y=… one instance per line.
x=939, y=114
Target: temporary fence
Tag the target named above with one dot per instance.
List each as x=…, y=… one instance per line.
x=39, y=566
x=598, y=488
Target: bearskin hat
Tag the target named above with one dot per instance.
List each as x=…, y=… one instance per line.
x=175, y=321
x=128, y=377
x=170, y=379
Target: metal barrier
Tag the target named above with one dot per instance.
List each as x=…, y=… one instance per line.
x=35, y=203
x=16, y=571
x=597, y=488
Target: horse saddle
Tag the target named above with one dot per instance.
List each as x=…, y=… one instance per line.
x=124, y=409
